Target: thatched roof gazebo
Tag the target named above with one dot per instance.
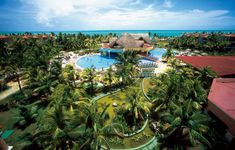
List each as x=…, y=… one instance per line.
x=127, y=41
x=131, y=42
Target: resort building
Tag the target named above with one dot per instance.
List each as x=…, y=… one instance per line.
x=138, y=42
x=231, y=39
x=222, y=65
x=221, y=99
x=4, y=38
x=26, y=36
x=203, y=37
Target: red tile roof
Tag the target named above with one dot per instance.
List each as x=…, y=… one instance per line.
x=222, y=101
x=229, y=35
x=197, y=35
x=4, y=37
x=222, y=65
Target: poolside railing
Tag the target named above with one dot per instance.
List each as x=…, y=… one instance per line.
x=148, y=65
x=150, y=58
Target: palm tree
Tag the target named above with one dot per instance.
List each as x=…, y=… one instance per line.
x=26, y=116
x=15, y=62
x=69, y=74
x=183, y=126
x=53, y=132
x=137, y=107
x=88, y=43
x=55, y=69
x=174, y=87
x=128, y=57
x=169, y=53
x=96, y=127
x=163, y=88
x=44, y=84
x=127, y=66
x=61, y=127
x=206, y=75
x=89, y=76
x=109, y=77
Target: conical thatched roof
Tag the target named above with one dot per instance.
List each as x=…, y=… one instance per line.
x=131, y=41
x=112, y=43
x=144, y=37
x=127, y=41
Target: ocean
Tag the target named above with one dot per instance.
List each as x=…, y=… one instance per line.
x=168, y=33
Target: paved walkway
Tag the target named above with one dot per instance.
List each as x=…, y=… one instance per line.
x=12, y=88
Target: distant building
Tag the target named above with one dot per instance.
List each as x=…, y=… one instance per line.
x=231, y=39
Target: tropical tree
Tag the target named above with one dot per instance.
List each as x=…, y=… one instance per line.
x=89, y=75
x=26, y=116
x=137, y=107
x=127, y=66
x=184, y=127
x=108, y=77
x=53, y=132
x=128, y=57
x=60, y=126
x=96, y=127
x=69, y=75
x=14, y=59
x=174, y=87
x=206, y=75
x=163, y=86
x=169, y=53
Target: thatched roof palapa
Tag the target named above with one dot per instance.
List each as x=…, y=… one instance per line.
x=127, y=41
x=131, y=41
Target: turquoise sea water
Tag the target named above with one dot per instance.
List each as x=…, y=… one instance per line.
x=119, y=32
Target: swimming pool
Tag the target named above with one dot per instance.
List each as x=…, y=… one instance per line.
x=99, y=62
x=157, y=52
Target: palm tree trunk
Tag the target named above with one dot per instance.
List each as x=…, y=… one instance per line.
x=109, y=87
x=74, y=83
x=19, y=84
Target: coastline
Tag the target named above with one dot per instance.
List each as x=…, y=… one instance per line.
x=172, y=33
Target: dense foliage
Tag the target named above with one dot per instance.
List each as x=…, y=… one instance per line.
x=180, y=119
x=212, y=43
x=57, y=101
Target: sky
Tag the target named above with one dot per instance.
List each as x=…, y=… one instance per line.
x=70, y=15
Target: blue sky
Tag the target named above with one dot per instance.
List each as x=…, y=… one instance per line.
x=56, y=15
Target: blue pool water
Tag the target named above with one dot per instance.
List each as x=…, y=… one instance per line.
x=145, y=61
x=100, y=62
x=157, y=52
x=97, y=61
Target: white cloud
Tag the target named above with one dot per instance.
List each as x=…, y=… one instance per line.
x=168, y=4
x=113, y=14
